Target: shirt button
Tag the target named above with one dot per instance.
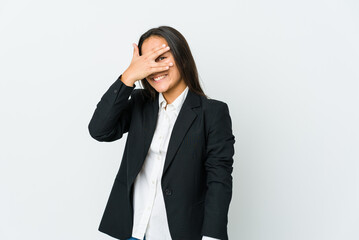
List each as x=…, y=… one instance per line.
x=158, y=157
x=153, y=182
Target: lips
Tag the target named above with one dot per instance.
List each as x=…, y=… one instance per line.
x=159, y=77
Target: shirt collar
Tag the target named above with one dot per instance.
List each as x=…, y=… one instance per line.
x=176, y=104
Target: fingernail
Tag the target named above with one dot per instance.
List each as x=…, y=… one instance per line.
x=163, y=45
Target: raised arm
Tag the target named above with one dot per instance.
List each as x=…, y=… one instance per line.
x=112, y=116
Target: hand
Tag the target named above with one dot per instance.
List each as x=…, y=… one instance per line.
x=145, y=65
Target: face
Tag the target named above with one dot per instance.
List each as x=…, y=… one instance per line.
x=172, y=84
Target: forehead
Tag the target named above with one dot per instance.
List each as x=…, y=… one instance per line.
x=151, y=43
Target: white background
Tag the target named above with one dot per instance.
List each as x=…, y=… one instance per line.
x=288, y=70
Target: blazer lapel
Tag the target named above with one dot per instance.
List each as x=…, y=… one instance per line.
x=149, y=122
x=184, y=120
x=150, y=115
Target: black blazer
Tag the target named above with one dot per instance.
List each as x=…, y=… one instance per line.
x=197, y=174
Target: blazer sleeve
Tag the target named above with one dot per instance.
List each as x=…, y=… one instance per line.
x=112, y=116
x=219, y=167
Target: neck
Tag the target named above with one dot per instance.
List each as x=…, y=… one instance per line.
x=170, y=96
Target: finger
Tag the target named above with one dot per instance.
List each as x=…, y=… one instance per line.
x=158, y=52
x=162, y=63
x=153, y=50
x=135, y=50
x=159, y=69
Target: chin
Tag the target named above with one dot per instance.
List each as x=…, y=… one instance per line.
x=160, y=89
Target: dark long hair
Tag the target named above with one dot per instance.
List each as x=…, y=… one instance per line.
x=182, y=55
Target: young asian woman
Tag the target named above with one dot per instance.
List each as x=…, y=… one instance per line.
x=175, y=177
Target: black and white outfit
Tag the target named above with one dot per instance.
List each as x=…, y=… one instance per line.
x=175, y=178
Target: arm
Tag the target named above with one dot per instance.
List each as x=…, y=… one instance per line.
x=112, y=115
x=218, y=166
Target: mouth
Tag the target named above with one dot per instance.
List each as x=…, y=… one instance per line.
x=159, y=78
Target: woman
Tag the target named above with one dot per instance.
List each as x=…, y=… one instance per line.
x=174, y=181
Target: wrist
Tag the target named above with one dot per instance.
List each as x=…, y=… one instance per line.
x=127, y=80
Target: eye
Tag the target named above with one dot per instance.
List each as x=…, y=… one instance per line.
x=160, y=58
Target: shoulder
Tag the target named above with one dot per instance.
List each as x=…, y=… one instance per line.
x=216, y=114
x=217, y=120
x=213, y=106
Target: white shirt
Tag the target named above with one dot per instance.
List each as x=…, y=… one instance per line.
x=150, y=217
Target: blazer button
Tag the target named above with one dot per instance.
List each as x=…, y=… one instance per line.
x=115, y=91
x=168, y=192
